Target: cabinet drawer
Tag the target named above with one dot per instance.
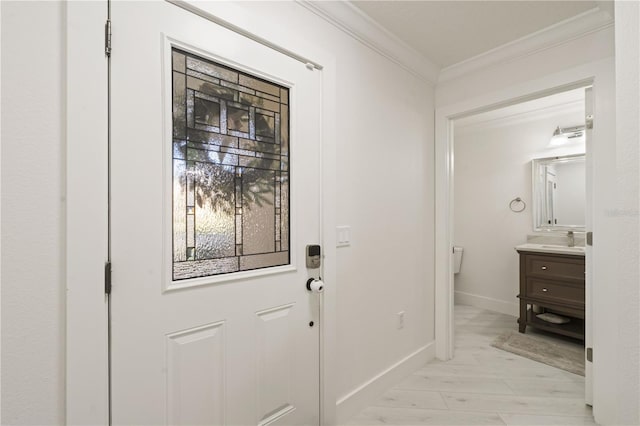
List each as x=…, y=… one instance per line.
x=555, y=291
x=555, y=268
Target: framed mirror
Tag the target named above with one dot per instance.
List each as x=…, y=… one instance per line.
x=559, y=193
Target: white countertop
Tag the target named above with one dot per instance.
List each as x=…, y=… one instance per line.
x=551, y=248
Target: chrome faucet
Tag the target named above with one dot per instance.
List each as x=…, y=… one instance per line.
x=572, y=241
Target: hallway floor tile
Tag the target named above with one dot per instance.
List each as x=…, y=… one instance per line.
x=482, y=385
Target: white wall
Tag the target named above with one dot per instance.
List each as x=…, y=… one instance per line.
x=384, y=127
x=33, y=213
x=626, y=347
x=492, y=167
x=385, y=185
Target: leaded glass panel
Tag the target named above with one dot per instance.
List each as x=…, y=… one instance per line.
x=230, y=169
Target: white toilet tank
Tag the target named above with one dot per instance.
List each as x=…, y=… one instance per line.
x=457, y=259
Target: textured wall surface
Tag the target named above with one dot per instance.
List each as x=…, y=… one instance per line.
x=33, y=214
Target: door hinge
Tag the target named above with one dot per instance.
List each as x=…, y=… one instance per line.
x=589, y=121
x=590, y=354
x=107, y=278
x=107, y=38
x=589, y=238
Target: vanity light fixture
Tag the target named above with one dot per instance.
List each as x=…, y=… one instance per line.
x=561, y=136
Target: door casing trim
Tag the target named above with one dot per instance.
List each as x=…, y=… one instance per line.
x=444, y=124
x=598, y=74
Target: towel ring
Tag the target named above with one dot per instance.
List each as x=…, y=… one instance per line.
x=516, y=201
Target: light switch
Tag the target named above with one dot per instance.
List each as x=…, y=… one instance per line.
x=343, y=236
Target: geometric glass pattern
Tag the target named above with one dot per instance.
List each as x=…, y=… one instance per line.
x=230, y=169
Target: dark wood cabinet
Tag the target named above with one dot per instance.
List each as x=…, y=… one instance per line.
x=555, y=283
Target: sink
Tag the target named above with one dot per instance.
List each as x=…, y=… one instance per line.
x=548, y=248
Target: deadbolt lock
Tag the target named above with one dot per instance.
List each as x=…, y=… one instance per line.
x=313, y=256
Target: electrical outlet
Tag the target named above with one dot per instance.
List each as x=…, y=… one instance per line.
x=400, y=320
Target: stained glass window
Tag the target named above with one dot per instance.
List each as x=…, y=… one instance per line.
x=230, y=169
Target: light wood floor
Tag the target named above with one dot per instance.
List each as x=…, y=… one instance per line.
x=482, y=385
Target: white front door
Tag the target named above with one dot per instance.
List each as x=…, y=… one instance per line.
x=215, y=194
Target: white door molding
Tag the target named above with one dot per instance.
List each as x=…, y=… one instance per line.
x=87, y=177
x=602, y=162
x=445, y=292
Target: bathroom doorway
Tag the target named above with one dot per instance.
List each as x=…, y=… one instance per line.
x=496, y=207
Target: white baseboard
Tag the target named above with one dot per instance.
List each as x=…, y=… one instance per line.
x=482, y=302
x=367, y=393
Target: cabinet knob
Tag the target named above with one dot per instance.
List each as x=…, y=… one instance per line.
x=545, y=290
x=544, y=268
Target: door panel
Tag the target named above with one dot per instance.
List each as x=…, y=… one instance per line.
x=234, y=348
x=195, y=376
x=275, y=348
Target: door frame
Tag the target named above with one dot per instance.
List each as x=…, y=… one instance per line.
x=87, y=373
x=600, y=75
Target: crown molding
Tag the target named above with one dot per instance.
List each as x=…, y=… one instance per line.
x=352, y=21
x=576, y=27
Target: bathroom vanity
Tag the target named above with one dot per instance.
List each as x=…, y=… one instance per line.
x=553, y=279
x=552, y=262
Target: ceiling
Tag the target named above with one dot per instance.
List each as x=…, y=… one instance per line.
x=448, y=32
